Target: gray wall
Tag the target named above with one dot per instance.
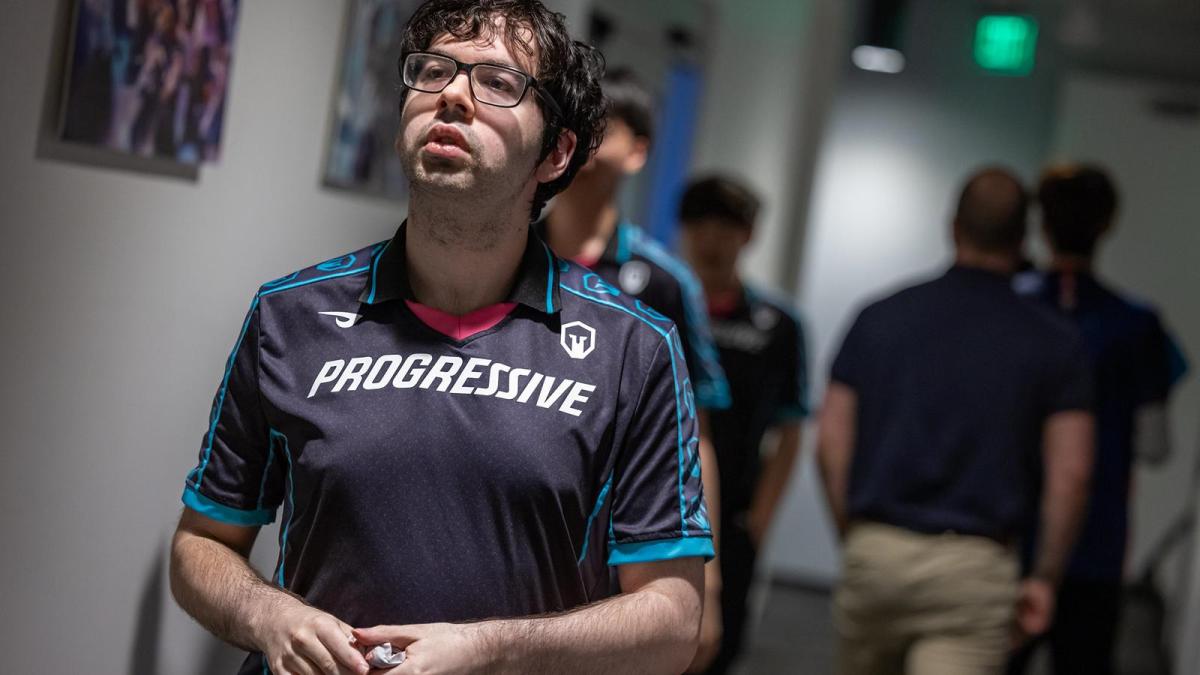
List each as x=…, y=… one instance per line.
x=127, y=292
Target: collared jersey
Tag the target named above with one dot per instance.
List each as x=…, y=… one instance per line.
x=424, y=478
x=762, y=351
x=955, y=379
x=642, y=268
x=1135, y=363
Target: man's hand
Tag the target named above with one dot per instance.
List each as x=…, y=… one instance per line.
x=301, y=640
x=711, y=629
x=1035, y=609
x=431, y=649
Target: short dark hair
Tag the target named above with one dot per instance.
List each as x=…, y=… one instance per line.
x=719, y=197
x=568, y=70
x=1078, y=203
x=992, y=211
x=627, y=99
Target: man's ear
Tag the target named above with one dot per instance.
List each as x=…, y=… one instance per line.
x=559, y=158
x=636, y=159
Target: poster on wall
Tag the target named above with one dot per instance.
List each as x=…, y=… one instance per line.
x=149, y=77
x=361, y=155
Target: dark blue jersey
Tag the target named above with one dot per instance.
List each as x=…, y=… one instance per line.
x=424, y=478
x=641, y=267
x=761, y=344
x=1134, y=363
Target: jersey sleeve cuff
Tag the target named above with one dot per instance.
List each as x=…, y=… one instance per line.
x=713, y=398
x=791, y=413
x=663, y=549
x=225, y=514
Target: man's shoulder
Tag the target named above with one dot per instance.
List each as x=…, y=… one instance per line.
x=669, y=267
x=586, y=294
x=352, y=264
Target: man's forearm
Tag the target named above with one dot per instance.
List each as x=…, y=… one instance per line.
x=652, y=630
x=773, y=480
x=835, y=449
x=1068, y=456
x=219, y=589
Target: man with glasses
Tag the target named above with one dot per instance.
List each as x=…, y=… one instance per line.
x=459, y=426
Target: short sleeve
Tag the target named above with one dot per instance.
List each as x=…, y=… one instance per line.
x=239, y=477
x=1161, y=364
x=850, y=364
x=792, y=403
x=700, y=349
x=658, y=510
x=1069, y=384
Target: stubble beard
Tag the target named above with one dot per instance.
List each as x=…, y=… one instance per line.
x=464, y=204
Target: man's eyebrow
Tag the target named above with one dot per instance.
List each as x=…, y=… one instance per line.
x=490, y=62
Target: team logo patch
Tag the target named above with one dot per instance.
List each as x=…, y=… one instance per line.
x=578, y=339
x=344, y=319
x=765, y=318
x=634, y=277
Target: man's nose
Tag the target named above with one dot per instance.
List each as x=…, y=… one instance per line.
x=456, y=97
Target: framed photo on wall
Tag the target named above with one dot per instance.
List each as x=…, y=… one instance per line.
x=361, y=154
x=149, y=77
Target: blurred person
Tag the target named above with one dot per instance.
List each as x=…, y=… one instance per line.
x=945, y=404
x=585, y=225
x=1135, y=364
x=762, y=350
x=461, y=432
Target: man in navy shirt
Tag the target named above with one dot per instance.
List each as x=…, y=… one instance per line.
x=585, y=225
x=1135, y=364
x=945, y=401
x=459, y=426
x=761, y=344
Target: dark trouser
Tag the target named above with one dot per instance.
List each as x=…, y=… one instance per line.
x=737, y=575
x=1084, y=631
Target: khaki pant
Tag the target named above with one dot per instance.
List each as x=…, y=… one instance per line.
x=921, y=604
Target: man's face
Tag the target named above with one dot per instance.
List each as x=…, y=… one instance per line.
x=449, y=143
x=621, y=153
x=712, y=246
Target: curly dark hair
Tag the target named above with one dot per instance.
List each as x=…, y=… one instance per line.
x=568, y=71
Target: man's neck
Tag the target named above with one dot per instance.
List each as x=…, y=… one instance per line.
x=1069, y=262
x=463, y=258
x=721, y=285
x=581, y=224
x=999, y=263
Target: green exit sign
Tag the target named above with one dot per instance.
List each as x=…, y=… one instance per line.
x=1006, y=43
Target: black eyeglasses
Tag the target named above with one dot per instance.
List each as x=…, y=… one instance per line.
x=500, y=86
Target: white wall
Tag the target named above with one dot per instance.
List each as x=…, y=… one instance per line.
x=1152, y=253
x=125, y=295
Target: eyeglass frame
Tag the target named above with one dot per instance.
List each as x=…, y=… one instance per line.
x=531, y=82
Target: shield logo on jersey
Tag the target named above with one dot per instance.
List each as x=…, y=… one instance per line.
x=634, y=276
x=578, y=339
x=765, y=318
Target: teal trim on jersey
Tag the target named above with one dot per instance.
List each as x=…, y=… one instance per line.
x=549, y=279
x=667, y=549
x=674, y=382
x=790, y=413
x=587, y=531
x=287, y=525
x=1177, y=362
x=306, y=282
x=216, y=413
x=225, y=514
x=711, y=386
x=375, y=271
x=624, y=230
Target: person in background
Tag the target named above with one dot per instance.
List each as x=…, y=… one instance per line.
x=1135, y=364
x=585, y=225
x=762, y=350
x=945, y=403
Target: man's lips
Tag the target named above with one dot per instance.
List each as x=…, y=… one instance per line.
x=447, y=141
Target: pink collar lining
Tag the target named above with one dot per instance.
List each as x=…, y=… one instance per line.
x=464, y=326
